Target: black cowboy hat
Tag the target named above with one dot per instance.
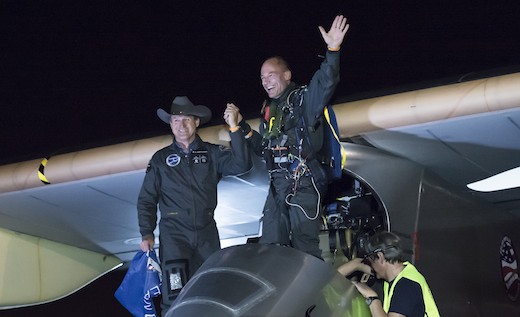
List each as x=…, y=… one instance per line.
x=183, y=106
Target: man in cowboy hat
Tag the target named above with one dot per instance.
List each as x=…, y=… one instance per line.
x=182, y=179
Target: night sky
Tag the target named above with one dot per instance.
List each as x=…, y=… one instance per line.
x=77, y=74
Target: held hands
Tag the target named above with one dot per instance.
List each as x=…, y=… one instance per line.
x=232, y=115
x=337, y=32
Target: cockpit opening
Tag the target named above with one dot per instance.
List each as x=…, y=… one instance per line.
x=352, y=212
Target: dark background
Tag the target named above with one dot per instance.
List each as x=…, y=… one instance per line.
x=79, y=74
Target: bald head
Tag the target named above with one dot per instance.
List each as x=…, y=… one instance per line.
x=275, y=76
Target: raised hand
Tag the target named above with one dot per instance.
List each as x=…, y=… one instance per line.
x=334, y=37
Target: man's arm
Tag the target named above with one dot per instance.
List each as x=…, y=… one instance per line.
x=352, y=266
x=254, y=139
x=238, y=161
x=325, y=79
x=376, y=306
x=147, y=209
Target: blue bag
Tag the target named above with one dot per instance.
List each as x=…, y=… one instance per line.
x=141, y=283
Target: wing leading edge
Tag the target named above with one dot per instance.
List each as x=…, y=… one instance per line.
x=463, y=132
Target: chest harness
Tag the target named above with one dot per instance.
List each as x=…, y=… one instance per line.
x=287, y=144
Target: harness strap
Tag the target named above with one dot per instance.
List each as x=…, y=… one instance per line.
x=343, y=242
x=332, y=241
x=343, y=151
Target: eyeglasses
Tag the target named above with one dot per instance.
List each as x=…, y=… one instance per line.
x=375, y=251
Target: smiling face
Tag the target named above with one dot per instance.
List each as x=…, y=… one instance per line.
x=184, y=128
x=275, y=77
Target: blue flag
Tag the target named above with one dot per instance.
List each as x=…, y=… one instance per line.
x=142, y=282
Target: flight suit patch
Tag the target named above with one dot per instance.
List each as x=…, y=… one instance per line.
x=173, y=160
x=199, y=156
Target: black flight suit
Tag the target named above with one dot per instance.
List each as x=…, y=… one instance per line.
x=291, y=212
x=184, y=185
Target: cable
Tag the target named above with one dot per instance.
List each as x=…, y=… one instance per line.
x=301, y=208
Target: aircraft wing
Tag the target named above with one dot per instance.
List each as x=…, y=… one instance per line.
x=79, y=209
x=464, y=132
x=87, y=200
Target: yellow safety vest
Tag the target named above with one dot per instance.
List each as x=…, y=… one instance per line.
x=411, y=273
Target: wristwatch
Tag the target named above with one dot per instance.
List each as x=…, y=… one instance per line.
x=370, y=299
